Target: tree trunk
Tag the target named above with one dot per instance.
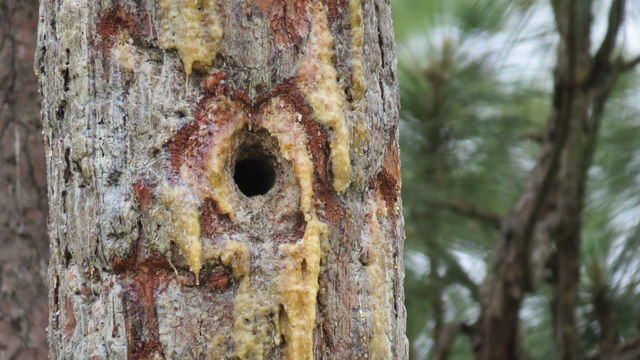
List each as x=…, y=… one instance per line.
x=23, y=205
x=548, y=215
x=223, y=179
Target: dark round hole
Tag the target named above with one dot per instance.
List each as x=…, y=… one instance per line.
x=254, y=175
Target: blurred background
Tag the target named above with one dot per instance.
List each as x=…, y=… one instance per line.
x=477, y=86
x=477, y=83
x=23, y=190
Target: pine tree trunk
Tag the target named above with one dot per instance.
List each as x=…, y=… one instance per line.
x=23, y=201
x=543, y=230
x=223, y=179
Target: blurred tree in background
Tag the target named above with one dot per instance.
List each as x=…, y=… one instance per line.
x=23, y=189
x=521, y=155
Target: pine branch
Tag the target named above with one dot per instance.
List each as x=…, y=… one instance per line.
x=628, y=350
x=631, y=64
x=603, y=306
x=446, y=339
x=616, y=16
x=537, y=138
x=474, y=212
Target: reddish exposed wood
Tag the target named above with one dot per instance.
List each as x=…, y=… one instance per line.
x=85, y=291
x=317, y=137
x=336, y=7
x=286, y=19
x=143, y=194
x=112, y=23
x=212, y=221
x=142, y=276
x=70, y=324
x=218, y=281
x=121, y=265
x=215, y=84
x=140, y=317
x=388, y=179
x=183, y=143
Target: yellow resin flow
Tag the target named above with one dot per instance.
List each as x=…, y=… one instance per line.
x=299, y=279
x=319, y=84
x=246, y=339
x=219, y=182
x=379, y=344
x=193, y=28
x=184, y=229
x=357, y=44
x=297, y=284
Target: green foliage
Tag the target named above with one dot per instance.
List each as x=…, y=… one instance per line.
x=467, y=123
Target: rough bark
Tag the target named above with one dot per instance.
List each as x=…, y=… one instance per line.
x=23, y=207
x=151, y=109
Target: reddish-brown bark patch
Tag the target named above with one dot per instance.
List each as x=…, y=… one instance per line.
x=298, y=223
x=112, y=23
x=70, y=324
x=218, y=281
x=188, y=145
x=388, y=179
x=317, y=137
x=216, y=83
x=143, y=194
x=138, y=258
x=329, y=205
x=212, y=222
x=326, y=199
x=121, y=265
x=286, y=19
x=143, y=276
x=182, y=145
x=335, y=7
x=141, y=321
x=86, y=291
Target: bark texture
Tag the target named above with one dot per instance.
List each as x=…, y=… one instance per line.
x=162, y=247
x=23, y=206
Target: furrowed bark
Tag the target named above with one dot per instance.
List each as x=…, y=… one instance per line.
x=223, y=179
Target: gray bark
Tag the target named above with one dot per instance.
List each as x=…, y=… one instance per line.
x=156, y=253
